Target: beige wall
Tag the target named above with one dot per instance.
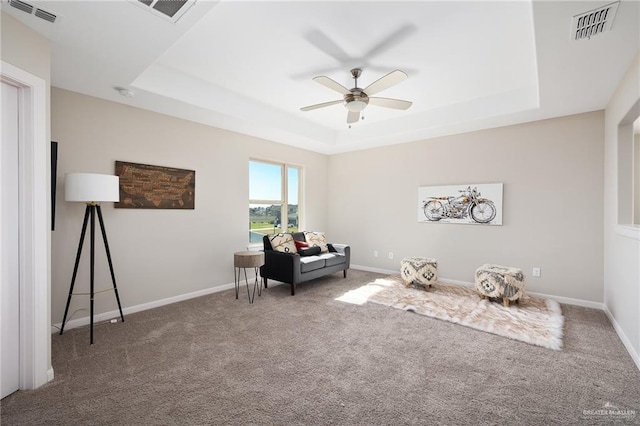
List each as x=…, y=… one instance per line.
x=25, y=48
x=621, y=250
x=29, y=51
x=159, y=254
x=553, y=184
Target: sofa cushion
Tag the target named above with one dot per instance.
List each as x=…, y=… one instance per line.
x=282, y=243
x=333, y=258
x=317, y=239
x=298, y=236
x=311, y=263
x=309, y=251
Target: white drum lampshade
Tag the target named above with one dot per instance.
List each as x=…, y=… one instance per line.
x=91, y=188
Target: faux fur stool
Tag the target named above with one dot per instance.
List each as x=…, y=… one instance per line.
x=500, y=282
x=419, y=271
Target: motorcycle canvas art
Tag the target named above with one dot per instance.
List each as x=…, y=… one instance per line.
x=461, y=204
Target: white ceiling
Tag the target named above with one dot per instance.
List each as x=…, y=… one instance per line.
x=248, y=66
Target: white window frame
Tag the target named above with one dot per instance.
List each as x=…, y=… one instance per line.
x=284, y=193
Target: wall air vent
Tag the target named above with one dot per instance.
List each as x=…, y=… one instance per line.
x=32, y=10
x=593, y=22
x=170, y=10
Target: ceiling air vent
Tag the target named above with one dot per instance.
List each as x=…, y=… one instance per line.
x=171, y=10
x=593, y=22
x=25, y=7
x=47, y=16
x=32, y=10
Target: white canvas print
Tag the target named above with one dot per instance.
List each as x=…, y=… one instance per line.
x=477, y=204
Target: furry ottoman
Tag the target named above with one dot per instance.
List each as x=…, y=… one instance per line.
x=419, y=271
x=500, y=282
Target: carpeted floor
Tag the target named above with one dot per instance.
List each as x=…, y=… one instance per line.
x=311, y=359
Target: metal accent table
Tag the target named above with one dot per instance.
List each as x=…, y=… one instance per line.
x=244, y=260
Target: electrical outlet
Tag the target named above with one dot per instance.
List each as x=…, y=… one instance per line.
x=390, y=255
x=375, y=253
x=536, y=272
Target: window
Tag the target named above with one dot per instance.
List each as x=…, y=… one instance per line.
x=628, y=174
x=636, y=172
x=273, y=186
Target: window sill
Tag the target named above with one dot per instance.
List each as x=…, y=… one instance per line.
x=629, y=231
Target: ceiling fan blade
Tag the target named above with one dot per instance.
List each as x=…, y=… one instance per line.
x=326, y=45
x=393, y=39
x=353, y=117
x=309, y=74
x=390, y=103
x=332, y=84
x=378, y=68
x=391, y=79
x=322, y=105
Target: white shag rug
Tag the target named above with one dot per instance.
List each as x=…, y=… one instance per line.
x=532, y=320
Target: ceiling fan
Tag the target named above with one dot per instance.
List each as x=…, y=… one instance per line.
x=357, y=99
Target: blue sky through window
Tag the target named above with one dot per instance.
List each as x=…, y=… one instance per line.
x=292, y=181
x=265, y=182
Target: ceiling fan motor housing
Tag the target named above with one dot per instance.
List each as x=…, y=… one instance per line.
x=357, y=100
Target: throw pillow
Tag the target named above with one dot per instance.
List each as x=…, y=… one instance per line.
x=317, y=239
x=282, y=243
x=309, y=251
x=300, y=245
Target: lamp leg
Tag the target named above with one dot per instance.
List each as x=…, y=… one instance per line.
x=75, y=267
x=113, y=275
x=91, y=279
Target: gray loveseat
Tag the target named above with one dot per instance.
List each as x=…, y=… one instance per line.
x=294, y=266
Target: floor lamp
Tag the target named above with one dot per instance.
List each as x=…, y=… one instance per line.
x=91, y=189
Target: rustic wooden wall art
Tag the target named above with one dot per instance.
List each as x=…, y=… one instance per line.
x=143, y=186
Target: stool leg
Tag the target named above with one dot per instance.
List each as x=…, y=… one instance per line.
x=246, y=281
x=505, y=301
x=258, y=281
x=236, y=279
x=255, y=285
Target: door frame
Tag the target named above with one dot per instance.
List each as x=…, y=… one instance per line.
x=34, y=240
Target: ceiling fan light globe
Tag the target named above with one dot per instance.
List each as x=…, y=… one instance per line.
x=356, y=105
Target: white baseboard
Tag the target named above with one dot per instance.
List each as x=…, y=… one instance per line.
x=623, y=337
x=49, y=374
x=571, y=301
x=377, y=270
x=115, y=314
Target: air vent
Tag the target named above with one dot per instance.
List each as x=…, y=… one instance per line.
x=593, y=22
x=47, y=16
x=31, y=10
x=168, y=9
x=25, y=7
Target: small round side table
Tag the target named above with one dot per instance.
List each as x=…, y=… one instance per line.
x=244, y=260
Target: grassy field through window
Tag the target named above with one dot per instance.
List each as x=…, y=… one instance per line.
x=260, y=227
